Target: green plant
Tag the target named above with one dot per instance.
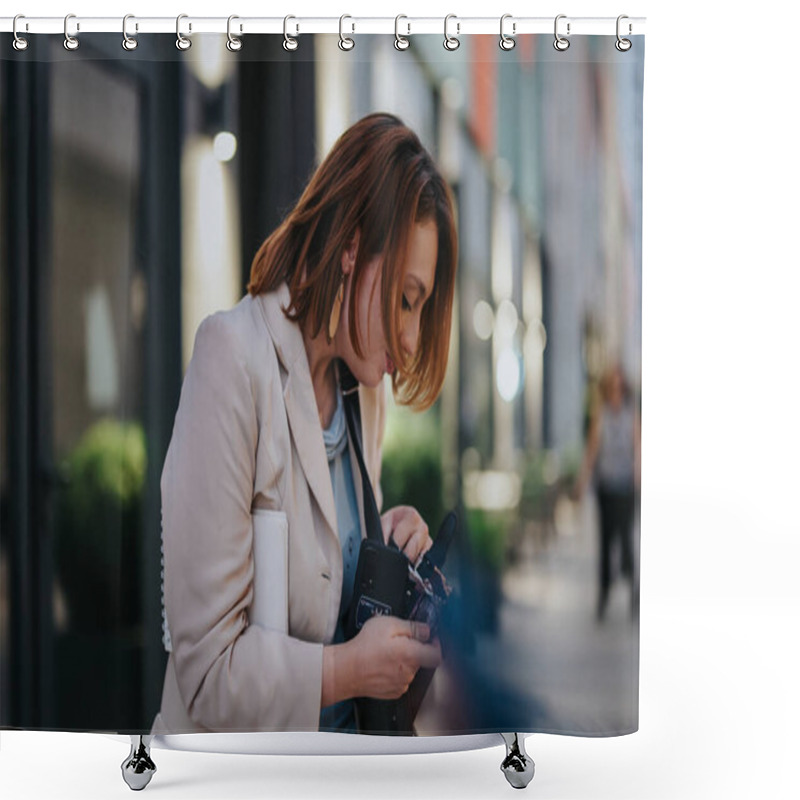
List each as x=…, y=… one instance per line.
x=411, y=472
x=98, y=520
x=488, y=535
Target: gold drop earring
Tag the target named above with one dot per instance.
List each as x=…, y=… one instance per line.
x=336, y=311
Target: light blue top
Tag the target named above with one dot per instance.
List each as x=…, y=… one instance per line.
x=616, y=454
x=341, y=716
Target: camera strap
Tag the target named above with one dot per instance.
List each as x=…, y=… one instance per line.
x=352, y=411
x=373, y=715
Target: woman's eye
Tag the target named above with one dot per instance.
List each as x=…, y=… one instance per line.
x=406, y=304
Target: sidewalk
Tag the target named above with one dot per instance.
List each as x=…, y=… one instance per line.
x=551, y=666
x=583, y=673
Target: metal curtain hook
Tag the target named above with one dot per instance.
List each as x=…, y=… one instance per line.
x=289, y=43
x=623, y=45
x=507, y=42
x=182, y=43
x=234, y=44
x=400, y=42
x=560, y=43
x=128, y=42
x=70, y=42
x=451, y=42
x=20, y=43
x=345, y=42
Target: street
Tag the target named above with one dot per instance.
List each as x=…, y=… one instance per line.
x=552, y=666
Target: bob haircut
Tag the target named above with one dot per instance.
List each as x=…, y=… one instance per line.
x=379, y=179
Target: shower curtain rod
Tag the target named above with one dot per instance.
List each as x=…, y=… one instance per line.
x=406, y=26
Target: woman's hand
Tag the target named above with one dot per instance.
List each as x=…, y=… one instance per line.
x=380, y=662
x=388, y=652
x=405, y=526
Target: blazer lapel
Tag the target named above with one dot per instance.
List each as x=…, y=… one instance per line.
x=301, y=406
x=301, y=409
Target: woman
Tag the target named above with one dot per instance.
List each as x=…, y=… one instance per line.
x=362, y=270
x=613, y=457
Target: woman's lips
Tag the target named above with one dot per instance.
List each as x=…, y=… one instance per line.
x=389, y=365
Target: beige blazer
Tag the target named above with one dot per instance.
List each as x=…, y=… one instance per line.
x=247, y=435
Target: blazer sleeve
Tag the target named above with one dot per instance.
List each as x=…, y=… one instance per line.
x=231, y=675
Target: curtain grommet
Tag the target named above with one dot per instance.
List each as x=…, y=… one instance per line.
x=289, y=42
x=507, y=42
x=128, y=42
x=234, y=43
x=623, y=45
x=182, y=42
x=345, y=42
x=561, y=43
x=401, y=42
x=20, y=42
x=451, y=43
x=70, y=42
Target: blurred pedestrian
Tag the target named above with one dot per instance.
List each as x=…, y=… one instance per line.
x=612, y=459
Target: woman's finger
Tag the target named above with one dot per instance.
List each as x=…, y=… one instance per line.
x=427, y=546
x=426, y=655
x=419, y=630
x=387, y=523
x=391, y=518
x=417, y=545
x=394, y=516
x=411, y=536
x=403, y=531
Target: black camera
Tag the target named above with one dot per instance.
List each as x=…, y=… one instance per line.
x=387, y=584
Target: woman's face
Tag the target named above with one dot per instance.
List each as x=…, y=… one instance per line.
x=418, y=273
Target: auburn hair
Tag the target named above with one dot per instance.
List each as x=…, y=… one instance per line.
x=379, y=179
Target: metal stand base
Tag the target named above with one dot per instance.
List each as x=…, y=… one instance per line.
x=517, y=766
x=138, y=768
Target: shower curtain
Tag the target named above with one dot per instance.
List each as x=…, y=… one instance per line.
x=137, y=190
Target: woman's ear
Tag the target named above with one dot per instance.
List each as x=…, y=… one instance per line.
x=350, y=253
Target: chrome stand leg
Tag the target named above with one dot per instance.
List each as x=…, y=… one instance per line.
x=138, y=768
x=518, y=766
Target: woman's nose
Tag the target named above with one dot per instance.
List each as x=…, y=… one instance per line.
x=410, y=336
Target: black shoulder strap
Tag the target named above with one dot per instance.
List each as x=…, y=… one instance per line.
x=352, y=409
